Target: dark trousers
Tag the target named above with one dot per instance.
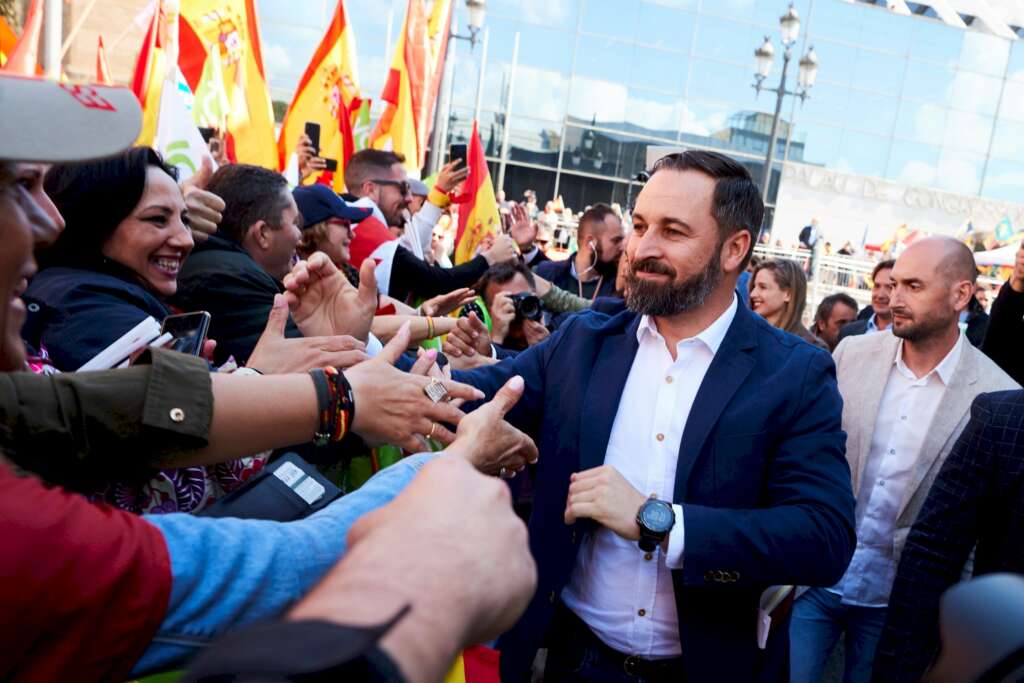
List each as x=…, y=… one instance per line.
x=576, y=655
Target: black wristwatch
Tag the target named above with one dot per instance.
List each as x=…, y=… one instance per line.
x=655, y=519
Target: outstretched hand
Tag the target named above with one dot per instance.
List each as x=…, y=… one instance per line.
x=488, y=441
x=324, y=303
x=392, y=406
x=275, y=354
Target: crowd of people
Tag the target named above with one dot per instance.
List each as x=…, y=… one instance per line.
x=603, y=466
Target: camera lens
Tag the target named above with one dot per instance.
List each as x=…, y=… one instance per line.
x=528, y=306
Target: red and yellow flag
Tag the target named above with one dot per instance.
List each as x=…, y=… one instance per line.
x=102, y=67
x=24, y=56
x=8, y=40
x=327, y=94
x=438, y=29
x=151, y=70
x=232, y=27
x=476, y=664
x=399, y=126
x=478, y=213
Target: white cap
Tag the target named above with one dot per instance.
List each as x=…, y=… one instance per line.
x=45, y=121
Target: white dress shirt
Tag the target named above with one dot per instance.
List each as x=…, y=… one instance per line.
x=623, y=594
x=904, y=416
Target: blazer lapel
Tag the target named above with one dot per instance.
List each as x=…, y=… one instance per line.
x=604, y=391
x=729, y=369
x=955, y=403
x=868, y=378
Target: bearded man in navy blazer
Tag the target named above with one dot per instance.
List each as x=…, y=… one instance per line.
x=691, y=455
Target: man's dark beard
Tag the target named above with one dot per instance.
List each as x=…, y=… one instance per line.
x=652, y=298
x=919, y=329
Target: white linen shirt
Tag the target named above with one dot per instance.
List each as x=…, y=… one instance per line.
x=904, y=415
x=625, y=595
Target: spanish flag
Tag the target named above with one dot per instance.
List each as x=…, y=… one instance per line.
x=399, y=127
x=23, y=59
x=151, y=70
x=102, y=67
x=478, y=213
x=7, y=41
x=328, y=94
x=477, y=664
x=232, y=28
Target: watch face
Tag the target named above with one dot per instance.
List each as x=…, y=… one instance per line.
x=657, y=516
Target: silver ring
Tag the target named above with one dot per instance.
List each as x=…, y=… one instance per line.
x=436, y=391
x=501, y=473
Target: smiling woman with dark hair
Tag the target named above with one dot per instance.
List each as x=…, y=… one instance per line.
x=118, y=257
x=116, y=260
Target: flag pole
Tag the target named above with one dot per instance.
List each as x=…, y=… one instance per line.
x=444, y=105
x=508, y=114
x=480, y=81
x=76, y=28
x=53, y=16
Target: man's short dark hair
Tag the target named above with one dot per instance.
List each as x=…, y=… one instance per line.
x=736, y=204
x=827, y=304
x=250, y=194
x=368, y=164
x=594, y=216
x=500, y=273
x=887, y=264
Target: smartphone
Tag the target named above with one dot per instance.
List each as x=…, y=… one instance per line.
x=188, y=331
x=313, y=133
x=457, y=151
x=331, y=165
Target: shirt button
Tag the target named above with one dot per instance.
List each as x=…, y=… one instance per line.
x=177, y=415
x=642, y=612
x=648, y=556
x=892, y=451
x=660, y=437
x=668, y=380
x=903, y=417
x=881, y=482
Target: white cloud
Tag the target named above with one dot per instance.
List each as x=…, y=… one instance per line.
x=277, y=60
x=917, y=173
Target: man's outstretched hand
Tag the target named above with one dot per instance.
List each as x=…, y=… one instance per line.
x=324, y=303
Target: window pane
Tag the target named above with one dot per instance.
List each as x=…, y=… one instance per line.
x=1015, y=69
x=863, y=153
x=725, y=83
x=659, y=70
x=884, y=30
x=579, y=191
x=535, y=142
x=841, y=61
x=879, y=72
x=935, y=41
x=730, y=41
x=654, y=113
x=959, y=171
x=519, y=179
x=821, y=142
x=913, y=163
x=1009, y=143
x=826, y=104
x=873, y=113
x=968, y=132
x=543, y=12
x=700, y=120
x=1012, y=106
x=976, y=93
x=545, y=48
x=599, y=101
x=835, y=20
x=664, y=27
x=540, y=94
x=1004, y=180
x=929, y=82
x=984, y=53
x=921, y=122
x=610, y=18
x=603, y=153
x=603, y=58
x=767, y=14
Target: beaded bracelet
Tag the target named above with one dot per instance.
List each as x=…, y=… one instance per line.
x=336, y=405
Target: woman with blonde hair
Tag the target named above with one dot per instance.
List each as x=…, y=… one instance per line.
x=778, y=292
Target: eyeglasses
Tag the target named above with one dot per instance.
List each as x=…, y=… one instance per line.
x=402, y=185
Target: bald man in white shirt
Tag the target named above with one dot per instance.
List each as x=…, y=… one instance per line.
x=906, y=397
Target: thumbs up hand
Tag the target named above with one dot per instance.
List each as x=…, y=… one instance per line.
x=204, y=208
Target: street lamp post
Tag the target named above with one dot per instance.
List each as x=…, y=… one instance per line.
x=476, y=9
x=789, y=28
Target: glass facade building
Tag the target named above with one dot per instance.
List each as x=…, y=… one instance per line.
x=905, y=98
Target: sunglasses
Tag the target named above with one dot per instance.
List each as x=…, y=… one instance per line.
x=402, y=185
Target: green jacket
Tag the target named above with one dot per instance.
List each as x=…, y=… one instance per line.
x=80, y=430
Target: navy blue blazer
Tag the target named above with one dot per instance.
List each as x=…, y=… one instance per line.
x=762, y=477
